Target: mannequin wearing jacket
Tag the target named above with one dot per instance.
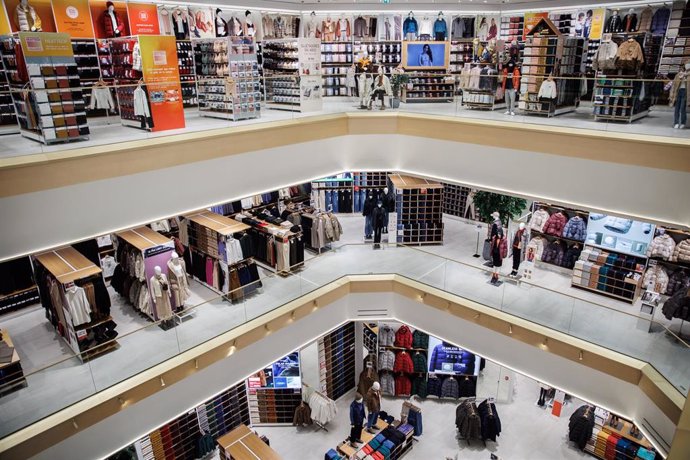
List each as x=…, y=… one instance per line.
x=373, y=403
x=179, y=284
x=180, y=25
x=25, y=18
x=496, y=237
x=440, y=28
x=367, y=209
x=678, y=97
x=614, y=24
x=381, y=87
x=511, y=84
x=377, y=221
x=630, y=21
x=328, y=30
x=356, y=419
x=160, y=290
x=410, y=27
x=364, y=87
x=518, y=243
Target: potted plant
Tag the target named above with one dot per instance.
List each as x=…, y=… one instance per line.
x=398, y=79
x=508, y=206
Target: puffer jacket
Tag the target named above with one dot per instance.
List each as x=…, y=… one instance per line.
x=537, y=244
x=662, y=246
x=656, y=279
x=467, y=421
x=617, y=224
x=554, y=226
x=386, y=360
x=433, y=386
x=554, y=253
x=403, y=386
x=420, y=339
x=403, y=337
x=682, y=251
x=386, y=336
x=538, y=220
x=581, y=426
x=403, y=363
x=450, y=389
x=419, y=360
x=575, y=229
x=677, y=306
x=571, y=256
x=677, y=281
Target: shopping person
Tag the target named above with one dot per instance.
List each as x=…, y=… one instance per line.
x=678, y=98
x=373, y=406
x=356, y=420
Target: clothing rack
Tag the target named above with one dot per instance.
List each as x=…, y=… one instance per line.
x=313, y=391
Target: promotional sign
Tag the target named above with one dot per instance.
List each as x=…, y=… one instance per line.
x=43, y=45
x=98, y=17
x=446, y=358
x=622, y=235
x=309, y=56
x=531, y=20
x=162, y=78
x=43, y=9
x=597, y=29
x=143, y=19
x=486, y=27
x=284, y=373
x=4, y=22
x=73, y=17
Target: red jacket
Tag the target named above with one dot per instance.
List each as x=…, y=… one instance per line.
x=516, y=78
x=403, y=337
x=108, y=24
x=554, y=226
x=403, y=363
x=403, y=386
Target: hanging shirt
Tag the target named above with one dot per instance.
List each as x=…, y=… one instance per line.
x=141, y=106
x=101, y=98
x=78, y=305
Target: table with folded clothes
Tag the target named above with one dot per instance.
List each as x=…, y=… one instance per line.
x=390, y=443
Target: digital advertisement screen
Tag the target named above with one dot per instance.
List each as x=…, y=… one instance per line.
x=619, y=234
x=426, y=55
x=446, y=358
x=284, y=373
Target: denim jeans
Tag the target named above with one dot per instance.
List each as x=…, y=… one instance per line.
x=362, y=199
x=371, y=419
x=363, y=178
x=680, y=113
x=356, y=202
x=329, y=201
x=335, y=197
x=368, y=229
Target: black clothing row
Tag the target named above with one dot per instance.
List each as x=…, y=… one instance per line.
x=16, y=275
x=678, y=306
x=244, y=279
x=581, y=426
x=559, y=253
x=491, y=424
x=478, y=422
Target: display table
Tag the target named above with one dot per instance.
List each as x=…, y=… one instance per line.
x=11, y=373
x=346, y=449
x=243, y=444
x=624, y=432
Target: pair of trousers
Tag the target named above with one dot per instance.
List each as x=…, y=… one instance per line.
x=377, y=234
x=385, y=220
x=680, y=114
x=355, y=433
x=356, y=202
x=378, y=93
x=510, y=99
x=371, y=419
x=368, y=230
x=516, y=259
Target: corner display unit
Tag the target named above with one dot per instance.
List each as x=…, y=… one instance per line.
x=419, y=207
x=53, y=110
x=429, y=87
x=232, y=89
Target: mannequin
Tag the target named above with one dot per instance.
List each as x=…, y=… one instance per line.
x=630, y=21
x=160, y=290
x=614, y=23
x=221, y=25
x=312, y=29
x=180, y=25
x=425, y=28
x=343, y=29
x=381, y=88
x=356, y=420
x=678, y=97
x=511, y=84
x=378, y=222
x=26, y=19
x=179, y=283
x=351, y=81
x=496, y=237
x=367, y=209
x=365, y=81
x=440, y=28
x=410, y=28
x=235, y=27
x=389, y=206
x=112, y=23
x=328, y=30
x=373, y=403
x=249, y=29
x=387, y=28
x=517, y=248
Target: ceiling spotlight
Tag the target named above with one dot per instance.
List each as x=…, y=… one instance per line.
x=162, y=382
x=581, y=357
x=510, y=329
x=74, y=424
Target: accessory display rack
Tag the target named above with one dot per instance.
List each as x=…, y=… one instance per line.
x=122, y=50
x=281, y=68
x=336, y=57
x=419, y=207
x=429, y=86
x=185, y=62
x=676, y=48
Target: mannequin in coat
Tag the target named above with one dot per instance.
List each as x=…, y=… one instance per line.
x=377, y=221
x=518, y=244
x=364, y=89
x=179, y=283
x=160, y=294
x=26, y=19
x=496, y=237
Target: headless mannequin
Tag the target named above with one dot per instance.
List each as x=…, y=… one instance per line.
x=221, y=25
x=249, y=29
x=388, y=206
x=517, y=248
x=367, y=210
x=26, y=11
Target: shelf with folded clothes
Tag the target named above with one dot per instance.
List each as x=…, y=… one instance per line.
x=11, y=372
x=337, y=358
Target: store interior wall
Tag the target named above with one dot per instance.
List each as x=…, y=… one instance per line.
x=309, y=365
x=94, y=208
x=583, y=382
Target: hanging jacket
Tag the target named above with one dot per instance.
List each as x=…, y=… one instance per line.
x=467, y=387
x=387, y=388
x=682, y=252
x=419, y=361
x=677, y=281
x=575, y=229
x=554, y=253
x=403, y=363
x=403, y=337
x=571, y=256
x=656, y=279
x=491, y=424
x=581, y=425
x=662, y=246
x=386, y=360
x=645, y=19
x=450, y=389
x=303, y=415
x=403, y=386
x=419, y=387
x=467, y=421
x=554, y=226
x=660, y=21
x=538, y=220
x=433, y=386
x=605, y=59
x=420, y=339
x=386, y=336
x=537, y=244
x=677, y=306
x=630, y=22
x=630, y=55
x=410, y=26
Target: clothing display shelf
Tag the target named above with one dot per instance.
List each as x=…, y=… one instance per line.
x=616, y=98
x=277, y=240
x=281, y=65
x=461, y=52
x=565, y=21
x=479, y=84
x=213, y=234
x=512, y=28
x=11, y=372
x=391, y=374
x=570, y=245
x=185, y=62
x=273, y=406
x=155, y=250
x=229, y=84
x=397, y=452
x=338, y=194
x=66, y=267
x=676, y=267
x=370, y=332
x=336, y=58
x=105, y=59
x=676, y=46
x=8, y=118
x=17, y=285
x=242, y=443
x=609, y=273
x=383, y=53
x=47, y=94
x=455, y=200
x=429, y=86
x=419, y=207
x=86, y=56
x=132, y=96
x=337, y=356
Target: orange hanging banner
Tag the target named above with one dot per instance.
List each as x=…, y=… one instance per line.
x=162, y=78
x=5, y=28
x=42, y=9
x=73, y=17
x=143, y=19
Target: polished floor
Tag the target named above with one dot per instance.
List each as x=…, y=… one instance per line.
x=548, y=300
x=105, y=131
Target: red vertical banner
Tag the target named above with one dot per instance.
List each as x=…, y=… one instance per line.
x=162, y=78
x=143, y=19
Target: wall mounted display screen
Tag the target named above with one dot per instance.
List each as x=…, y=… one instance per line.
x=619, y=234
x=446, y=358
x=284, y=373
x=426, y=55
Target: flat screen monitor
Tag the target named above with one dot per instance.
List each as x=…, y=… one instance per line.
x=619, y=234
x=426, y=55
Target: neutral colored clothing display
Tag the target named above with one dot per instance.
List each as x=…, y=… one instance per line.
x=548, y=90
x=629, y=55
x=656, y=279
x=323, y=410
x=26, y=19
x=101, y=98
x=141, y=105
x=78, y=305
x=605, y=58
x=538, y=220
x=682, y=252
x=160, y=292
x=662, y=246
x=179, y=284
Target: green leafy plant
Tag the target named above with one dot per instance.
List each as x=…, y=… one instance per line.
x=508, y=207
x=397, y=80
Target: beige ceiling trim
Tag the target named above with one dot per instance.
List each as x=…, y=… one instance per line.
x=31, y=173
x=69, y=421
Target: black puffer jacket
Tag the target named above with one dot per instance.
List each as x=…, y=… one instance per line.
x=677, y=306
x=581, y=426
x=554, y=253
x=571, y=256
x=677, y=281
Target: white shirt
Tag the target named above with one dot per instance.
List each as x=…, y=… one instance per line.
x=78, y=305
x=548, y=90
x=141, y=106
x=426, y=27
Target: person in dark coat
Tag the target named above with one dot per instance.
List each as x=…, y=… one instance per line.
x=356, y=420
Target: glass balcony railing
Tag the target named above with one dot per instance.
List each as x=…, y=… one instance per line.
x=51, y=388
x=616, y=104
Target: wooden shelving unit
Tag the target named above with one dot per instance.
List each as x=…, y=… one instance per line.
x=11, y=373
x=429, y=87
x=627, y=289
x=455, y=199
x=242, y=443
x=419, y=208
